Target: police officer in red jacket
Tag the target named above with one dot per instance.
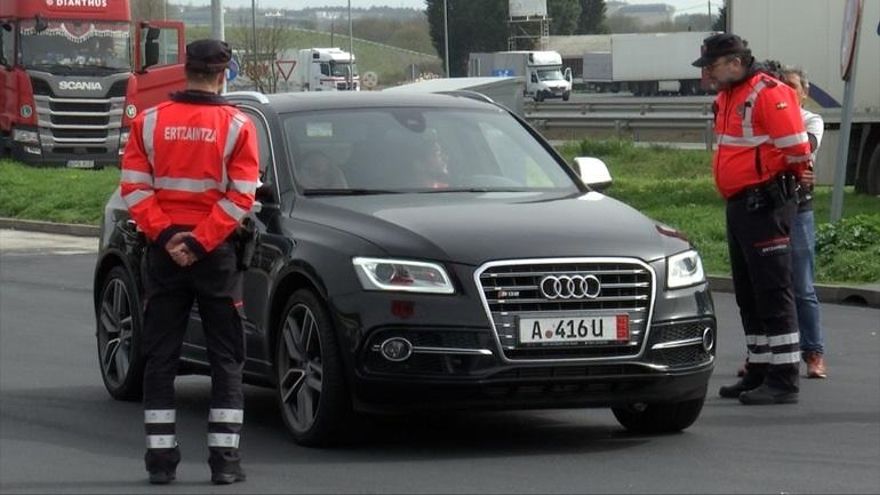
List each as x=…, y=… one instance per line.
x=189, y=175
x=762, y=149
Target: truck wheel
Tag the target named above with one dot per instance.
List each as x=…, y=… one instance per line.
x=539, y=96
x=566, y=96
x=659, y=418
x=311, y=390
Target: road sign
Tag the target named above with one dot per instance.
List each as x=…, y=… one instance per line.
x=285, y=68
x=848, y=36
x=370, y=79
x=233, y=69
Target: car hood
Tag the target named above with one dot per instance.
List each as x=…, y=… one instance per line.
x=473, y=228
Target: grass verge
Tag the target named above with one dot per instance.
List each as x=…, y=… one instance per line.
x=55, y=194
x=676, y=187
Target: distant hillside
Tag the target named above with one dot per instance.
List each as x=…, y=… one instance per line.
x=392, y=64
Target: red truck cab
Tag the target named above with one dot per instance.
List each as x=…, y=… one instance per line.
x=73, y=73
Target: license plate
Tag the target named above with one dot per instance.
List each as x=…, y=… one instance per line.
x=80, y=163
x=575, y=330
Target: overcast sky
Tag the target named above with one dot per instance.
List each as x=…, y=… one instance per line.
x=681, y=6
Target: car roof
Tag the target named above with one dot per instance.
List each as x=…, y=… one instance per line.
x=318, y=100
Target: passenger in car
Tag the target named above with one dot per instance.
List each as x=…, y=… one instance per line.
x=433, y=165
x=316, y=171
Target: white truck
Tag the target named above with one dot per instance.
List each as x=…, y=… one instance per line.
x=807, y=33
x=542, y=71
x=324, y=69
x=646, y=64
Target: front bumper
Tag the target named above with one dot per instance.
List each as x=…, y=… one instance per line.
x=460, y=368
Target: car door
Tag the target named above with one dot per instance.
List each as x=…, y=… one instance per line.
x=270, y=248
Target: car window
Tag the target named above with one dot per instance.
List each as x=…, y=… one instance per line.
x=419, y=149
x=262, y=141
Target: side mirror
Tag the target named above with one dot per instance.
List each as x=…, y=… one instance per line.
x=265, y=196
x=593, y=172
x=40, y=24
x=567, y=74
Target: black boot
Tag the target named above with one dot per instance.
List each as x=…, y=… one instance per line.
x=162, y=465
x=225, y=466
x=767, y=395
x=750, y=381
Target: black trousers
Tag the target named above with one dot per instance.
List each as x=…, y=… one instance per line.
x=214, y=282
x=760, y=259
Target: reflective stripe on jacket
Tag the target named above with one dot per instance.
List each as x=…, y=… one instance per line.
x=190, y=164
x=759, y=133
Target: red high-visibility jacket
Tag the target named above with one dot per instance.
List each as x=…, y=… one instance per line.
x=190, y=162
x=759, y=133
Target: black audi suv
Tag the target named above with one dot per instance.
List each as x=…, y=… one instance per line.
x=434, y=251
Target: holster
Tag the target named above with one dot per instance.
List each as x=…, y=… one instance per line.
x=774, y=193
x=245, y=241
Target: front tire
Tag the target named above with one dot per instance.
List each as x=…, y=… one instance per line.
x=119, y=322
x=659, y=418
x=311, y=389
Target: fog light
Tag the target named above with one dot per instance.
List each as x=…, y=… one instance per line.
x=396, y=349
x=33, y=150
x=708, y=339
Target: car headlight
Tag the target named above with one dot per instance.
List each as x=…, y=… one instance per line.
x=684, y=269
x=402, y=275
x=23, y=136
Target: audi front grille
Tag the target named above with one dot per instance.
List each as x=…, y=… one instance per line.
x=567, y=287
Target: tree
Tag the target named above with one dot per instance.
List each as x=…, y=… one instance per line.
x=721, y=21
x=474, y=26
x=259, y=66
x=592, y=19
x=564, y=15
x=624, y=24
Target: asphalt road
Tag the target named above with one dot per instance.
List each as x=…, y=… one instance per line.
x=60, y=431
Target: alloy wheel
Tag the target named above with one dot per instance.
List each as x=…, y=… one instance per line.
x=115, y=333
x=300, y=369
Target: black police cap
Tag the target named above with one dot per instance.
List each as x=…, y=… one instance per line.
x=207, y=55
x=719, y=45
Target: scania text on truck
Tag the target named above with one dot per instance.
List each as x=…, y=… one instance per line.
x=807, y=33
x=73, y=73
x=542, y=71
x=325, y=69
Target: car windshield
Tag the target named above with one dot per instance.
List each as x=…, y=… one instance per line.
x=384, y=150
x=550, y=75
x=76, y=46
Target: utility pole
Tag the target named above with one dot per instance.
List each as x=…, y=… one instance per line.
x=217, y=30
x=254, y=33
x=445, y=37
x=350, y=50
x=709, y=6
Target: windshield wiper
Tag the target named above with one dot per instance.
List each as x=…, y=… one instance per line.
x=347, y=192
x=107, y=68
x=470, y=189
x=52, y=68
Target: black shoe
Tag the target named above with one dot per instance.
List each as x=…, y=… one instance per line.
x=221, y=478
x=766, y=395
x=162, y=477
x=744, y=385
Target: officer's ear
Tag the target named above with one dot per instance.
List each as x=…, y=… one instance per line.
x=219, y=80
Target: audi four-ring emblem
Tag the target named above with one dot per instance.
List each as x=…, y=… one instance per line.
x=570, y=287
